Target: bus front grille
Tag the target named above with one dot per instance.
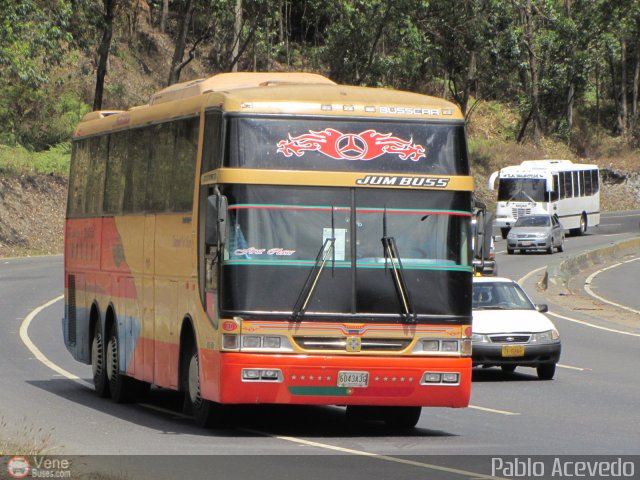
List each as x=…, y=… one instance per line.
x=340, y=343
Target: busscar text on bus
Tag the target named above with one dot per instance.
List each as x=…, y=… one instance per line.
x=274, y=238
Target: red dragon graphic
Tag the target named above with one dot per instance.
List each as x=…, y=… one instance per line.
x=366, y=145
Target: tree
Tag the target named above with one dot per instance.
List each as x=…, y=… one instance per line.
x=103, y=50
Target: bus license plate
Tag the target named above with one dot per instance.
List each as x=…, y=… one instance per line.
x=353, y=379
x=513, y=350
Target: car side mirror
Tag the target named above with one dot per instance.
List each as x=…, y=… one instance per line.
x=542, y=308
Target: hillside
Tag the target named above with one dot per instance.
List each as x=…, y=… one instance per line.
x=51, y=61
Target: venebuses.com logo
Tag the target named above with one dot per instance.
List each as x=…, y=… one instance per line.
x=18, y=467
x=38, y=467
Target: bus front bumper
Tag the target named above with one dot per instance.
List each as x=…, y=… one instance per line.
x=314, y=380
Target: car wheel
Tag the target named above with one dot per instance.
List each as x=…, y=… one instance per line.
x=561, y=246
x=510, y=251
x=508, y=368
x=547, y=371
x=550, y=249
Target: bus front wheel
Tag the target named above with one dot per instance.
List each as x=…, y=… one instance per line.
x=207, y=414
x=401, y=417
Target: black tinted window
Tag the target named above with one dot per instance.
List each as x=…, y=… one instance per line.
x=347, y=145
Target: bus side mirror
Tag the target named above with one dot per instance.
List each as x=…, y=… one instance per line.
x=216, y=223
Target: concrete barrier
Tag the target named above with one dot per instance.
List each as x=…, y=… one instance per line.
x=557, y=276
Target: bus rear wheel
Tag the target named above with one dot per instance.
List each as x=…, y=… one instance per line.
x=121, y=387
x=582, y=229
x=98, y=368
x=401, y=417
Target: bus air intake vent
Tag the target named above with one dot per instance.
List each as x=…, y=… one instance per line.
x=71, y=289
x=340, y=343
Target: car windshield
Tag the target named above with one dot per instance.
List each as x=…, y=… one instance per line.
x=500, y=296
x=533, y=221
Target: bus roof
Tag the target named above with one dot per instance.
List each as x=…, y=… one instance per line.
x=549, y=166
x=272, y=93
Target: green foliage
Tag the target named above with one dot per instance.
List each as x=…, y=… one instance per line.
x=19, y=161
x=464, y=50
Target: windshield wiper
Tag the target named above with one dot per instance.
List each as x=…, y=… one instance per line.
x=391, y=253
x=326, y=251
x=530, y=198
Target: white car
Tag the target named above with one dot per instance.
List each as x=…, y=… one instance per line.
x=510, y=331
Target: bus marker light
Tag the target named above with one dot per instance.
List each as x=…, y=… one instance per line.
x=229, y=326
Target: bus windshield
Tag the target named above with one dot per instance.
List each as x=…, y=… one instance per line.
x=522, y=190
x=334, y=144
x=273, y=240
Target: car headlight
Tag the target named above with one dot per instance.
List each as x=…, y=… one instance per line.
x=550, y=336
x=479, y=338
x=540, y=235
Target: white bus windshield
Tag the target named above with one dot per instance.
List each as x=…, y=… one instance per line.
x=522, y=190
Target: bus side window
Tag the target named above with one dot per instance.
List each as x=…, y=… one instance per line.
x=115, y=175
x=588, y=187
x=595, y=181
x=576, y=184
x=568, y=185
x=212, y=144
x=554, y=195
x=78, y=179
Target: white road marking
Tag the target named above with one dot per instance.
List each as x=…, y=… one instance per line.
x=589, y=280
x=599, y=327
x=492, y=410
x=569, y=367
x=528, y=275
x=386, y=458
x=24, y=336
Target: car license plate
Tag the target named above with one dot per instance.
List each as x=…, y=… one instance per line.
x=513, y=350
x=526, y=244
x=353, y=379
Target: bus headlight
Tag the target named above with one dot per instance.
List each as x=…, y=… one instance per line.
x=256, y=343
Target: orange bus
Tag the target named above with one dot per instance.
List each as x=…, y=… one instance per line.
x=273, y=238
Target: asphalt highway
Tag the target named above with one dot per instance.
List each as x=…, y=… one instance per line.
x=590, y=408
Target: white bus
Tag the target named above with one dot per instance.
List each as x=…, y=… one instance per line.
x=561, y=187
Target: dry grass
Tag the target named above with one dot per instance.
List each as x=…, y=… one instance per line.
x=25, y=439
